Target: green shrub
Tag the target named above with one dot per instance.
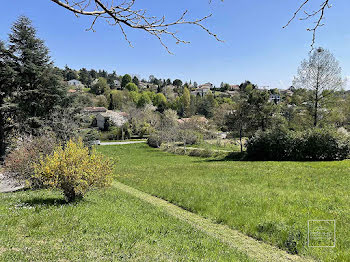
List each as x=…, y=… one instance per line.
x=310, y=145
x=155, y=140
x=132, y=87
x=74, y=170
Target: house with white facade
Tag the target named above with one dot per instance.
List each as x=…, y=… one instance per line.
x=118, y=119
x=75, y=82
x=202, y=90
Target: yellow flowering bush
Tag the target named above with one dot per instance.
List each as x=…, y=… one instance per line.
x=74, y=169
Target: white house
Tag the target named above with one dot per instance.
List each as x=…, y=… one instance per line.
x=117, y=118
x=74, y=82
x=202, y=90
x=117, y=84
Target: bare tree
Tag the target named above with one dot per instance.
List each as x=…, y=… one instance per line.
x=318, y=14
x=321, y=74
x=126, y=14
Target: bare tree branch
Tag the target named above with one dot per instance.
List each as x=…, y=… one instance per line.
x=125, y=15
x=318, y=14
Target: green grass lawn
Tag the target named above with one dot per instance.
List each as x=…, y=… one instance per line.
x=107, y=225
x=271, y=201
x=226, y=145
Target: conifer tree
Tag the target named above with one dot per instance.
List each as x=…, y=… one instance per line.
x=39, y=88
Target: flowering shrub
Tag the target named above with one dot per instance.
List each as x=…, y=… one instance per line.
x=74, y=170
x=19, y=164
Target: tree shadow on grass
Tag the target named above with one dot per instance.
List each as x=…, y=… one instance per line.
x=46, y=201
x=233, y=156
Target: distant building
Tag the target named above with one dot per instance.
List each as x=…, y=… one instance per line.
x=206, y=85
x=202, y=90
x=74, y=82
x=117, y=84
x=117, y=118
x=234, y=88
x=276, y=98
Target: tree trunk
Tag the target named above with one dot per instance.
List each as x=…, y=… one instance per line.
x=240, y=139
x=316, y=113
x=316, y=108
x=316, y=98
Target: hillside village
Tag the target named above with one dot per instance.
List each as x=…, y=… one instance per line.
x=201, y=90
x=100, y=166
x=133, y=105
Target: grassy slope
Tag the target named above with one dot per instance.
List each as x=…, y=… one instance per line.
x=107, y=226
x=257, y=250
x=271, y=201
x=213, y=145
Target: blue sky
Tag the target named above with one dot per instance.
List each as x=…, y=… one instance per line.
x=256, y=48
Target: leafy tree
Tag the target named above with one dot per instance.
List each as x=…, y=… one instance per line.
x=168, y=82
x=101, y=101
x=125, y=80
x=132, y=87
x=220, y=115
x=321, y=74
x=134, y=97
x=116, y=100
x=151, y=78
x=177, y=83
x=144, y=100
x=102, y=73
x=136, y=81
x=186, y=102
x=70, y=74
x=208, y=105
x=262, y=109
x=85, y=77
x=111, y=78
x=247, y=86
x=101, y=87
x=225, y=87
x=240, y=119
x=93, y=74
x=160, y=102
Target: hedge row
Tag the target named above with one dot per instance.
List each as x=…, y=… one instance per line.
x=310, y=145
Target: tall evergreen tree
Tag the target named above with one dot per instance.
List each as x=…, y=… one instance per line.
x=7, y=86
x=84, y=77
x=39, y=87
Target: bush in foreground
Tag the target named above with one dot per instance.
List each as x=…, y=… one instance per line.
x=27, y=152
x=310, y=145
x=74, y=170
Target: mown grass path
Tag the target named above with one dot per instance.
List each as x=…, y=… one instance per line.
x=254, y=249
